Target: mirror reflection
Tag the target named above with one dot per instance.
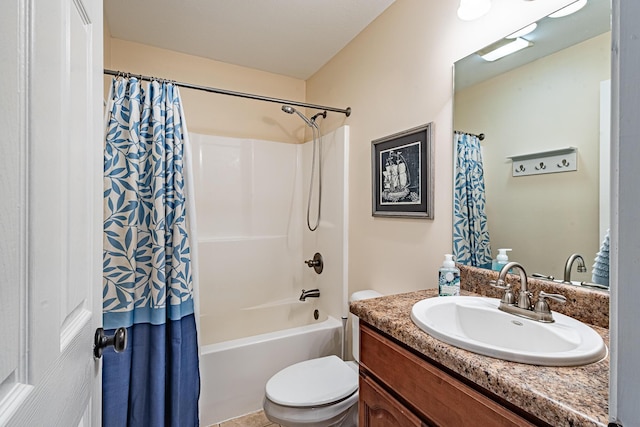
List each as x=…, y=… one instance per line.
x=551, y=95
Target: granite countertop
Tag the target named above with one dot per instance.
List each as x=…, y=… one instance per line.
x=561, y=396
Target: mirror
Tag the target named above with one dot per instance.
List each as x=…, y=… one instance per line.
x=549, y=96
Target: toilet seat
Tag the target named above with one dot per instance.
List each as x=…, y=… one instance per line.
x=313, y=383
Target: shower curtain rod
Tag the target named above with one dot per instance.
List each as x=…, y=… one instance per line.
x=346, y=112
x=480, y=135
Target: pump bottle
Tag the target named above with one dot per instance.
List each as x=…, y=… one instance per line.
x=500, y=260
x=448, y=278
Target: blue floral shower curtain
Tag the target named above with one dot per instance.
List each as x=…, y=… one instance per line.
x=147, y=266
x=470, y=231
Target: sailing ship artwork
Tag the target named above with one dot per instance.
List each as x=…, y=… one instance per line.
x=400, y=177
x=402, y=174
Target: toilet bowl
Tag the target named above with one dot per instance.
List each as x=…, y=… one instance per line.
x=320, y=392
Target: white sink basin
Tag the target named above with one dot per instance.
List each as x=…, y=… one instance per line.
x=476, y=324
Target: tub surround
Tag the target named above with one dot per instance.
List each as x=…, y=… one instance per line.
x=252, y=241
x=560, y=396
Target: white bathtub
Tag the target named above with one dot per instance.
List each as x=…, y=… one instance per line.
x=234, y=323
x=234, y=372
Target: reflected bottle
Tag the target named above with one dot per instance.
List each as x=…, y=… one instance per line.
x=501, y=260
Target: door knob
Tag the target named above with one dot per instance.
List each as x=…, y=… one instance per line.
x=118, y=340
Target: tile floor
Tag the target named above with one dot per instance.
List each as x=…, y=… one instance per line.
x=256, y=419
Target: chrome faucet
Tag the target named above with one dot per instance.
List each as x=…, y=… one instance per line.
x=311, y=293
x=523, y=307
x=569, y=264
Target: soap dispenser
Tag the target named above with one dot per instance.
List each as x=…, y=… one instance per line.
x=500, y=260
x=448, y=278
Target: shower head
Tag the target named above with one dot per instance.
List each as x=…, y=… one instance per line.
x=290, y=110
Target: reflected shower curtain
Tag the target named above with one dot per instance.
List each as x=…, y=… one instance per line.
x=470, y=231
x=147, y=266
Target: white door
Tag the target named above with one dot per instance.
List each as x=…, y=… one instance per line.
x=50, y=211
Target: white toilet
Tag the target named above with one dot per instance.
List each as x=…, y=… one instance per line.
x=320, y=392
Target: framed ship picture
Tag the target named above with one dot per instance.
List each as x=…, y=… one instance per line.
x=402, y=174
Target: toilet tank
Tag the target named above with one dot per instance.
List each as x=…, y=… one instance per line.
x=355, y=324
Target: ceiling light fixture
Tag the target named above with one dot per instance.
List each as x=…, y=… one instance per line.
x=470, y=10
x=523, y=32
x=503, y=48
x=568, y=10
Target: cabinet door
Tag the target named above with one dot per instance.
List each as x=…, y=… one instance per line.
x=379, y=409
x=436, y=396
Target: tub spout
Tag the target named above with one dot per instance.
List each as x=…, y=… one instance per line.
x=311, y=293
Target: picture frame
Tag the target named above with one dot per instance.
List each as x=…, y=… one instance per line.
x=402, y=174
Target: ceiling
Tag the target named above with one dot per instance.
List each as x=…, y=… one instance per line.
x=290, y=37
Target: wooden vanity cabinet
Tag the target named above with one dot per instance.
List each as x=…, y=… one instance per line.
x=379, y=409
x=399, y=388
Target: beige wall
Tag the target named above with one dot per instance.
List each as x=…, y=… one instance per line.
x=106, y=51
x=548, y=104
x=395, y=75
x=216, y=114
x=106, y=40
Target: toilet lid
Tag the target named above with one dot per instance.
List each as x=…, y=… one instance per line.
x=313, y=382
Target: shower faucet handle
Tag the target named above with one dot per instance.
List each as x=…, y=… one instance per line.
x=316, y=263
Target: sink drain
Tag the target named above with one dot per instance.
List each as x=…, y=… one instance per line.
x=517, y=323
x=316, y=314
